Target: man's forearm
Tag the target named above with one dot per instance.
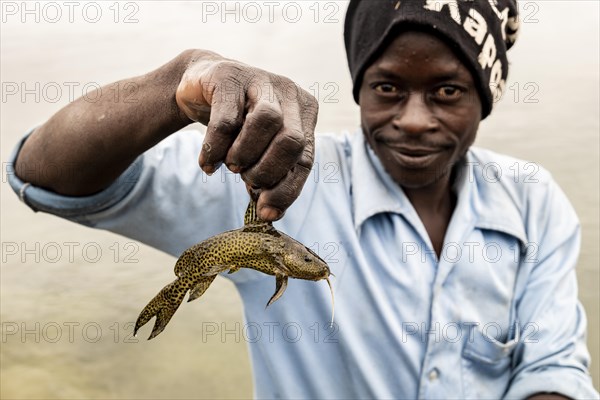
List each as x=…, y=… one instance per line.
x=88, y=144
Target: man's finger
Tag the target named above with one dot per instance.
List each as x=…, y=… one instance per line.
x=280, y=157
x=273, y=202
x=285, y=149
x=226, y=118
x=263, y=121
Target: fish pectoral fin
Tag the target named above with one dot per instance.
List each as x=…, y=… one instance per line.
x=280, y=286
x=200, y=287
x=216, y=269
x=233, y=270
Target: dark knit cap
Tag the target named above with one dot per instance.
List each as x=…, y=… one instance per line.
x=479, y=31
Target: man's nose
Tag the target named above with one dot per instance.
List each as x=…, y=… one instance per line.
x=415, y=116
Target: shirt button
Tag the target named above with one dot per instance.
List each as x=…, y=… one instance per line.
x=434, y=374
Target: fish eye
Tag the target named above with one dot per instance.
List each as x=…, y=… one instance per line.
x=307, y=259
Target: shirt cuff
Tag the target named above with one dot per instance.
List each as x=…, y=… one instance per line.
x=71, y=207
x=575, y=384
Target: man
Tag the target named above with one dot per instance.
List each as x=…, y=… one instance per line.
x=406, y=220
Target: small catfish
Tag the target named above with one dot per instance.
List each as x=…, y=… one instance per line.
x=257, y=245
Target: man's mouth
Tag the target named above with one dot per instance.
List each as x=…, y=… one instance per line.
x=414, y=157
x=416, y=151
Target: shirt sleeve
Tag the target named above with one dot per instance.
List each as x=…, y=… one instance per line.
x=72, y=208
x=552, y=355
x=163, y=199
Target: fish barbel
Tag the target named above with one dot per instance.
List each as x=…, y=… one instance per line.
x=257, y=245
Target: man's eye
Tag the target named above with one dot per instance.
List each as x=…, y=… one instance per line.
x=449, y=93
x=385, y=88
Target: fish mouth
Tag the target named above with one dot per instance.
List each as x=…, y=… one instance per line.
x=313, y=278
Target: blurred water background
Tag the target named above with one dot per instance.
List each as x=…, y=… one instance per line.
x=69, y=294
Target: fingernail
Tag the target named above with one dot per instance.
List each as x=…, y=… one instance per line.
x=209, y=169
x=270, y=213
x=234, y=168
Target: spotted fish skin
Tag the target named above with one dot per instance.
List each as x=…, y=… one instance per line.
x=257, y=245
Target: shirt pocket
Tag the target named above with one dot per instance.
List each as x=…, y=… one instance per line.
x=486, y=364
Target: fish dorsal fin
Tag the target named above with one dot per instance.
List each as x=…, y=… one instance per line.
x=251, y=216
x=254, y=228
x=262, y=227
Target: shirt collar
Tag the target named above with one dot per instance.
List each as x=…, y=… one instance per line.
x=373, y=190
x=482, y=202
x=495, y=200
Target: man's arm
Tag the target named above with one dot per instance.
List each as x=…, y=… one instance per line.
x=252, y=126
x=94, y=142
x=551, y=360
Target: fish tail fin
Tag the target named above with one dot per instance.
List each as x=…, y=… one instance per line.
x=163, y=306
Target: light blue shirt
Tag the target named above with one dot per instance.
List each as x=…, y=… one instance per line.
x=495, y=316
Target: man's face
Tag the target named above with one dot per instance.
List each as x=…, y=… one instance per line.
x=420, y=109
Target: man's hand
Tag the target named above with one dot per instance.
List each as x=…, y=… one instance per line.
x=259, y=124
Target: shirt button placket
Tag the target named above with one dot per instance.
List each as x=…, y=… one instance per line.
x=431, y=378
